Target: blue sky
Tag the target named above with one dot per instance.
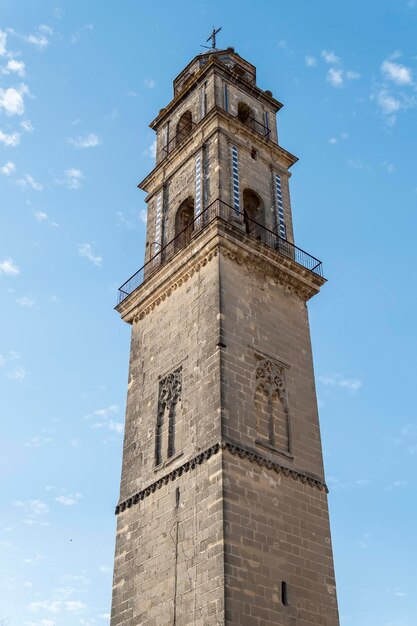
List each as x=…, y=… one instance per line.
x=79, y=83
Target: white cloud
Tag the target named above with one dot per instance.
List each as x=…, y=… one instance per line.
x=283, y=45
x=40, y=216
x=337, y=380
x=29, y=181
x=8, y=168
x=68, y=500
x=352, y=75
x=18, y=67
x=8, y=267
x=408, y=437
x=105, y=569
x=26, y=302
x=390, y=167
x=356, y=164
x=396, y=485
x=11, y=140
x=397, y=73
x=151, y=151
x=3, y=43
x=37, y=442
x=12, y=99
x=330, y=57
x=57, y=606
x=2, y=361
x=44, y=28
x=89, y=141
x=106, y=420
x=74, y=606
x=105, y=413
x=78, y=579
x=310, y=61
x=118, y=427
x=143, y=216
x=75, y=37
x=149, y=83
x=335, y=77
x=27, y=126
x=334, y=140
x=363, y=482
x=45, y=605
x=110, y=425
x=85, y=250
x=387, y=102
x=32, y=507
x=72, y=179
x=129, y=222
x=18, y=373
x=35, y=559
x=40, y=41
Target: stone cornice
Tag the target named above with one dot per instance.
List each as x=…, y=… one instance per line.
x=262, y=260
x=303, y=476
x=167, y=168
x=219, y=237
x=235, y=449
x=177, y=271
x=229, y=125
x=200, y=76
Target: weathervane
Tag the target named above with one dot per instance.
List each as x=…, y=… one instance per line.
x=212, y=38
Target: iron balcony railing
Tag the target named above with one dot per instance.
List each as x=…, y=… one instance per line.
x=252, y=123
x=238, y=221
x=179, y=137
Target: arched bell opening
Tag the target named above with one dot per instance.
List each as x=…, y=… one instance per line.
x=184, y=127
x=253, y=213
x=184, y=223
x=245, y=114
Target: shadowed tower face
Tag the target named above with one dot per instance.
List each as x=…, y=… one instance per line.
x=222, y=517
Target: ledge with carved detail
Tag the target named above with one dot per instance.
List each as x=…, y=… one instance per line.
x=238, y=224
x=303, y=476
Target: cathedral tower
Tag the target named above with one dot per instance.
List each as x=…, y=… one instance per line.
x=222, y=517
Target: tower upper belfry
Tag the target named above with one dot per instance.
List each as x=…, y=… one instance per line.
x=222, y=517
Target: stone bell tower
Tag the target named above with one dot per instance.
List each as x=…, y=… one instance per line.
x=222, y=517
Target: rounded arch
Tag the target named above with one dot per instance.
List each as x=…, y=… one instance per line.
x=245, y=114
x=183, y=127
x=253, y=213
x=184, y=223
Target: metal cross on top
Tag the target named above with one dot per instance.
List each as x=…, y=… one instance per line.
x=213, y=37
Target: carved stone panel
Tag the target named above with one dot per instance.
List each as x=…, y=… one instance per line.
x=271, y=406
x=170, y=387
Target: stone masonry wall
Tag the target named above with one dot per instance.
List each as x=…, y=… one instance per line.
x=181, y=332
x=180, y=184
x=169, y=554
x=237, y=94
x=192, y=104
x=256, y=174
x=276, y=530
x=261, y=317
